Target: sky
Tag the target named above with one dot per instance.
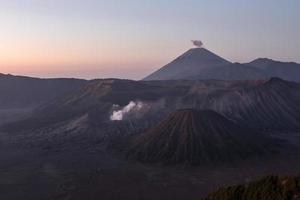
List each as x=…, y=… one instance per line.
x=131, y=38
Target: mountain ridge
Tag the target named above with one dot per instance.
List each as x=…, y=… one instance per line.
x=286, y=70
x=22, y=91
x=195, y=137
x=187, y=64
x=261, y=104
x=202, y=64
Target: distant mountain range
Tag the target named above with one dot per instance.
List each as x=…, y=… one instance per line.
x=285, y=70
x=201, y=64
x=265, y=105
x=231, y=120
x=178, y=121
x=22, y=91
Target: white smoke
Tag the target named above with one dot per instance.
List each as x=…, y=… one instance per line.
x=197, y=43
x=118, y=115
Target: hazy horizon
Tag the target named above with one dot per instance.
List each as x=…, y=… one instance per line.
x=129, y=39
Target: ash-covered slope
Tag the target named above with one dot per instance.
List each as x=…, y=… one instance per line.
x=271, y=105
x=196, y=136
x=261, y=105
x=188, y=65
x=274, y=105
x=96, y=98
x=286, y=70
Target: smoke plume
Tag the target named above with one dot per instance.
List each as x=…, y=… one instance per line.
x=118, y=115
x=197, y=43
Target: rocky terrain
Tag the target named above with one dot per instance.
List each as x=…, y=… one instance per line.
x=198, y=137
x=261, y=105
x=72, y=145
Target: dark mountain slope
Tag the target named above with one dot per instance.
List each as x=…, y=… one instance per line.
x=271, y=105
x=261, y=63
x=285, y=70
x=269, y=188
x=201, y=64
x=274, y=105
x=188, y=65
x=234, y=71
x=21, y=91
x=97, y=98
x=261, y=105
x=196, y=137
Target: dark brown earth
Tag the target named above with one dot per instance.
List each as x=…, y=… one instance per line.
x=197, y=137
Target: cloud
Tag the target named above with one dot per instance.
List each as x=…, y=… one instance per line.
x=197, y=43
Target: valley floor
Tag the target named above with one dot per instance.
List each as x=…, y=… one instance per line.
x=74, y=173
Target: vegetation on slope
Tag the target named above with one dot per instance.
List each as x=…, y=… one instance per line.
x=268, y=188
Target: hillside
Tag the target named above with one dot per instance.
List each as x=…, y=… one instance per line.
x=202, y=64
x=21, y=91
x=196, y=137
x=261, y=105
x=234, y=71
x=285, y=70
x=268, y=188
x=271, y=105
x=187, y=65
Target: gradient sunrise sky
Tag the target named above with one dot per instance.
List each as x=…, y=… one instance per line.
x=131, y=38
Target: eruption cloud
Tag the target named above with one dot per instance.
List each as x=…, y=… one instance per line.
x=197, y=43
x=118, y=115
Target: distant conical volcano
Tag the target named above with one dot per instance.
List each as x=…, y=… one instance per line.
x=188, y=65
x=194, y=136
